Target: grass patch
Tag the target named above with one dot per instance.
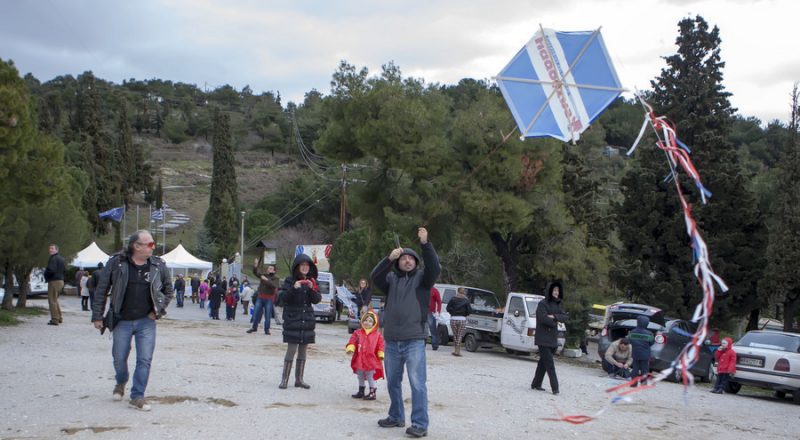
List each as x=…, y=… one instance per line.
x=11, y=317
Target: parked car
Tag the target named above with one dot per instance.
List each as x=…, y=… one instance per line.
x=36, y=282
x=670, y=342
x=768, y=359
x=620, y=319
x=353, y=323
x=326, y=308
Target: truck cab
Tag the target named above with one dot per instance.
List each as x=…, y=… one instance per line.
x=326, y=309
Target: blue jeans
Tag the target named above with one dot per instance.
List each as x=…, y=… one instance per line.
x=263, y=307
x=722, y=382
x=434, y=333
x=144, y=332
x=179, y=297
x=410, y=354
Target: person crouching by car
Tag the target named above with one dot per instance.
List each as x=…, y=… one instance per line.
x=618, y=359
x=298, y=295
x=726, y=365
x=459, y=308
x=366, y=345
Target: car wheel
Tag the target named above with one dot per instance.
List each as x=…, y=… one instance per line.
x=675, y=376
x=351, y=330
x=471, y=343
x=510, y=351
x=733, y=387
x=444, y=337
x=796, y=396
x=781, y=394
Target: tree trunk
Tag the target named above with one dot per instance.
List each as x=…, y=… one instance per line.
x=23, y=274
x=752, y=323
x=9, y=286
x=506, y=250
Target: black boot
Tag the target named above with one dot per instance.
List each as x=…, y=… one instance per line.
x=287, y=371
x=298, y=375
x=371, y=395
x=359, y=394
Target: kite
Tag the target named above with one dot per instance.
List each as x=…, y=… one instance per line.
x=556, y=86
x=559, y=83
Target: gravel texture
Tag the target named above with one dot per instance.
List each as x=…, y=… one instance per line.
x=209, y=379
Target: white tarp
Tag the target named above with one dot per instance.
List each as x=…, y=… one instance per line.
x=91, y=256
x=180, y=258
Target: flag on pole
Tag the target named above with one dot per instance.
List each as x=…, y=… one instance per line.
x=114, y=214
x=157, y=215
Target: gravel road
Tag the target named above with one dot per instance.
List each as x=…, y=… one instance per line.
x=210, y=379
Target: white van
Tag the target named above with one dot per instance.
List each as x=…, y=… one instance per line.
x=326, y=309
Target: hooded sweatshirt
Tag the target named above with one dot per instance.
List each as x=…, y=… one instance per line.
x=726, y=358
x=366, y=344
x=641, y=339
x=408, y=294
x=298, y=304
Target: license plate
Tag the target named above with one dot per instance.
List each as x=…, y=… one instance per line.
x=752, y=362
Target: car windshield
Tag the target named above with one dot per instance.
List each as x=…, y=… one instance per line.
x=771, y=341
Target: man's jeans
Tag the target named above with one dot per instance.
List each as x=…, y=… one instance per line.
x=410, y=354
x=179, y=297
x=263, y=308
x=434, y=333
x=144, y=331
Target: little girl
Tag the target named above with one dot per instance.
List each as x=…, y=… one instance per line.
x=366, y=346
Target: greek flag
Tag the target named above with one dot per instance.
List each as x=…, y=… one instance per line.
x=157, y=215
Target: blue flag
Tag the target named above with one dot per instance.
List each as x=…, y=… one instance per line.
x=114, y=214
x=157, y=215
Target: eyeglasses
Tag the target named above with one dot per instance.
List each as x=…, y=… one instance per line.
x=151, y=245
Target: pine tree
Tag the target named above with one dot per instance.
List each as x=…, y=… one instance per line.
x=220, y=220
x=689, y=92
x=783, y=278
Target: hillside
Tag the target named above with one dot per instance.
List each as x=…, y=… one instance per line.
x=185, y=170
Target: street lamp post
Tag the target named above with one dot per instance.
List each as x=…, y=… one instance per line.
x=241, y=250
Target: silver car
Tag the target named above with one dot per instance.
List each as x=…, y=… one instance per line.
x=768, y=359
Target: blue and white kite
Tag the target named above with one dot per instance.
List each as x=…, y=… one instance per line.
x=559, y=83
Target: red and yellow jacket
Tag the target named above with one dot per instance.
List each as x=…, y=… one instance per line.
x=366, y=345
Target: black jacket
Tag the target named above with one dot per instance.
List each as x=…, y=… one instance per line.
x=363, y=298
x=180, y=285
x=546, y=327
x=55, y=268
x=458, y=306
x=298, y=305
x=114, y=282
x=408, y=294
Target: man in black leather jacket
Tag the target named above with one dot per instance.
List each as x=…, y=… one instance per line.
x=140, y=290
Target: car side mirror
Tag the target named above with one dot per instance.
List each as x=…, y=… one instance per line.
x=516, y=313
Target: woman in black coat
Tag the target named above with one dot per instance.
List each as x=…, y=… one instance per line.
x=298, y=295
x=548, y=314
x=363, y=297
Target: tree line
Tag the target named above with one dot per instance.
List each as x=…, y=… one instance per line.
x=508, y=218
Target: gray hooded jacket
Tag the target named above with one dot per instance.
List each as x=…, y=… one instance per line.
x=408, y=294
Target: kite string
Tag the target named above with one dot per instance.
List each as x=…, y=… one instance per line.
x=677, y=154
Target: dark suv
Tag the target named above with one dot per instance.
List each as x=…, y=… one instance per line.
x=670, y=337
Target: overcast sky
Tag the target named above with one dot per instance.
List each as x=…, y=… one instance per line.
x=295, y=46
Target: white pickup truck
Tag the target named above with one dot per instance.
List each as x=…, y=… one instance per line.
x=513, y=327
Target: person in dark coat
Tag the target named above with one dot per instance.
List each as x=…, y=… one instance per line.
x=217, y=294
x=459, y=308
x=298, y=295
x=641, y=339
x=363, y=297
x=180, y=290
x=548, y=314
x=195, y=283
x=54, y=276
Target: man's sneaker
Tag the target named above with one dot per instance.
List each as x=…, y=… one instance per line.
x=251, y=331
x=119, y=391
x=140, y=404
x=391, y=423
x=416, y=431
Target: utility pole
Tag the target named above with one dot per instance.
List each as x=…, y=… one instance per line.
x=241, y=246
x=343, y=201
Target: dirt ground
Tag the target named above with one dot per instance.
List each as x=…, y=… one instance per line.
x=209, y=379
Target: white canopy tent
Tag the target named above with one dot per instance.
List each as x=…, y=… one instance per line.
x=91, y=256
x=180, y=258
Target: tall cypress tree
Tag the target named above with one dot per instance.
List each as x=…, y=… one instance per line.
x=783, y=278
x=220, y=220
x=689, y=92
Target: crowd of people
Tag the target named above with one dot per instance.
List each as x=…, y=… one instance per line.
x=389, y=346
